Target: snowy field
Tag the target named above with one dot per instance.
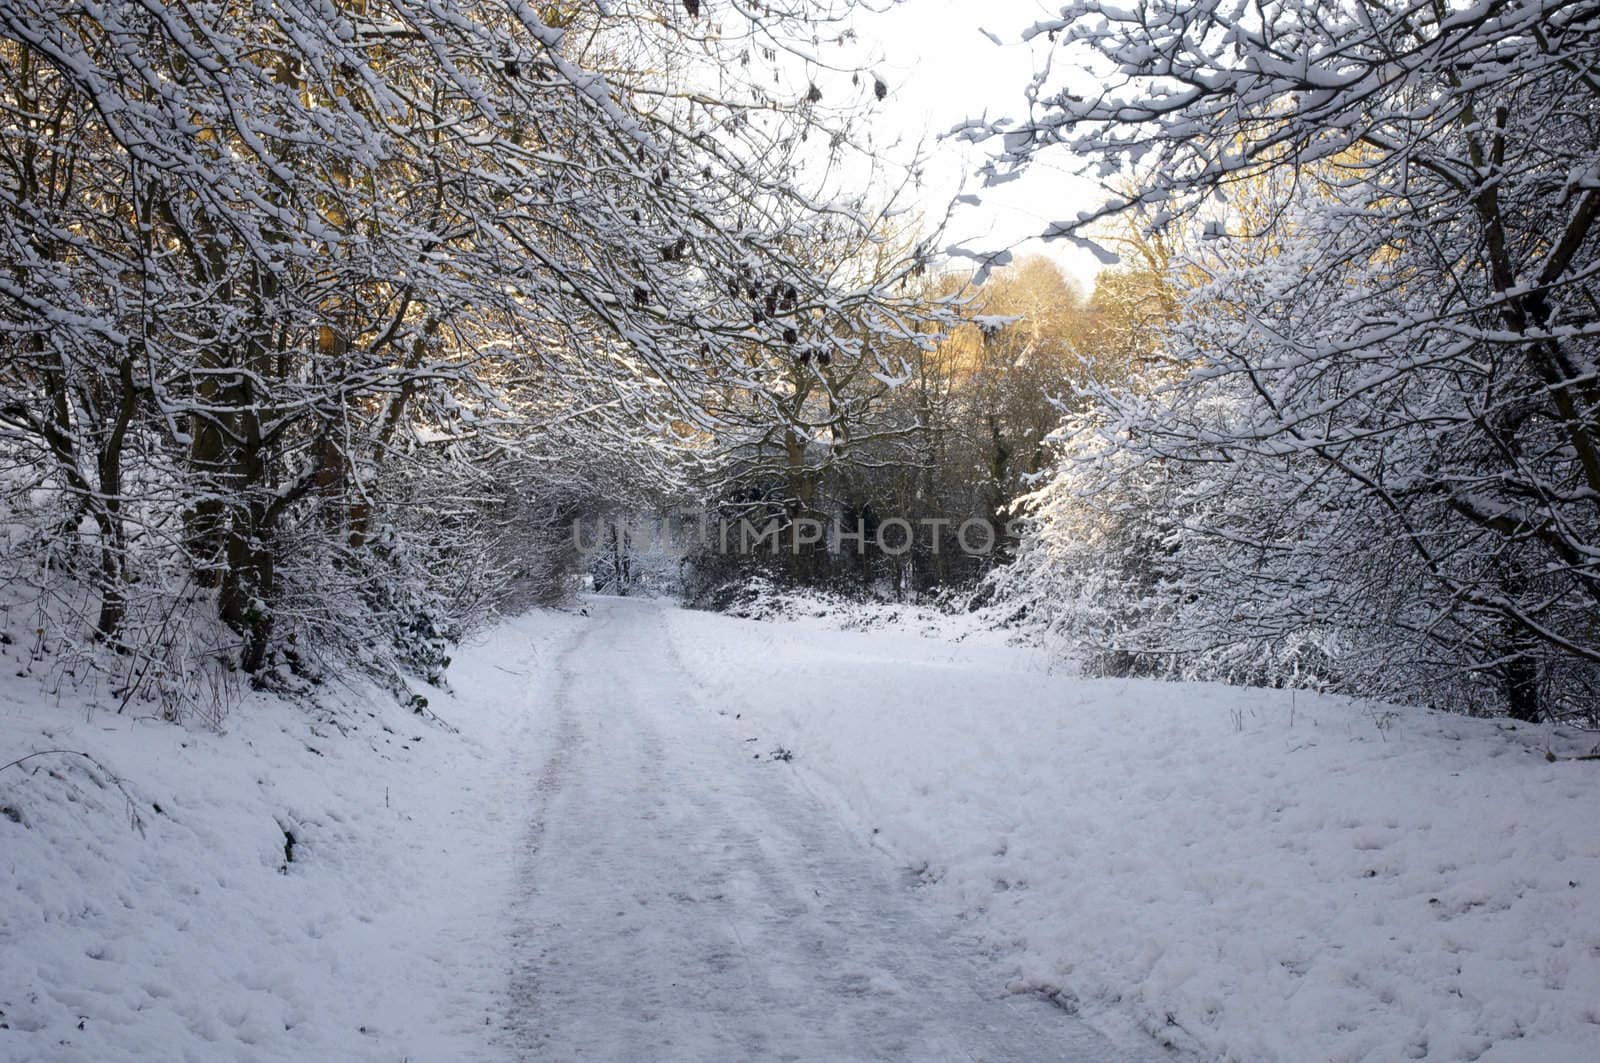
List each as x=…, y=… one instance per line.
x=1253, y=875
x=1241, y=875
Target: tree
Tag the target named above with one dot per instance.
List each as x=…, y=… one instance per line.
x=277, y=251
x=1395, y=365
x=1019, y=357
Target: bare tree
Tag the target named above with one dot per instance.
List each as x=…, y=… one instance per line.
x=275, y=252
x=1392, y=365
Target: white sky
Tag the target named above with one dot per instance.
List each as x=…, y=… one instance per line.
x=941, y=70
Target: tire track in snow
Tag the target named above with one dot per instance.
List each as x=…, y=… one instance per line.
x=681, y=901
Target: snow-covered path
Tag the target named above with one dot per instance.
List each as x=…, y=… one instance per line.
x=684, y=900
x=590, y=854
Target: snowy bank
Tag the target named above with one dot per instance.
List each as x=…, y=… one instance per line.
x=1254, y=875
x=311, y=883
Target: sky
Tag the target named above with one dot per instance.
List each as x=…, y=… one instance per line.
x=941, y=69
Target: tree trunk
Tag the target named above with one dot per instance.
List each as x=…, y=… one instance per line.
x=247, y=584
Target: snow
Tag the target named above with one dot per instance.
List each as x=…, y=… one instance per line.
x=614, y=857
x=687, y=898
x=195, y=940
x=1248, y=874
